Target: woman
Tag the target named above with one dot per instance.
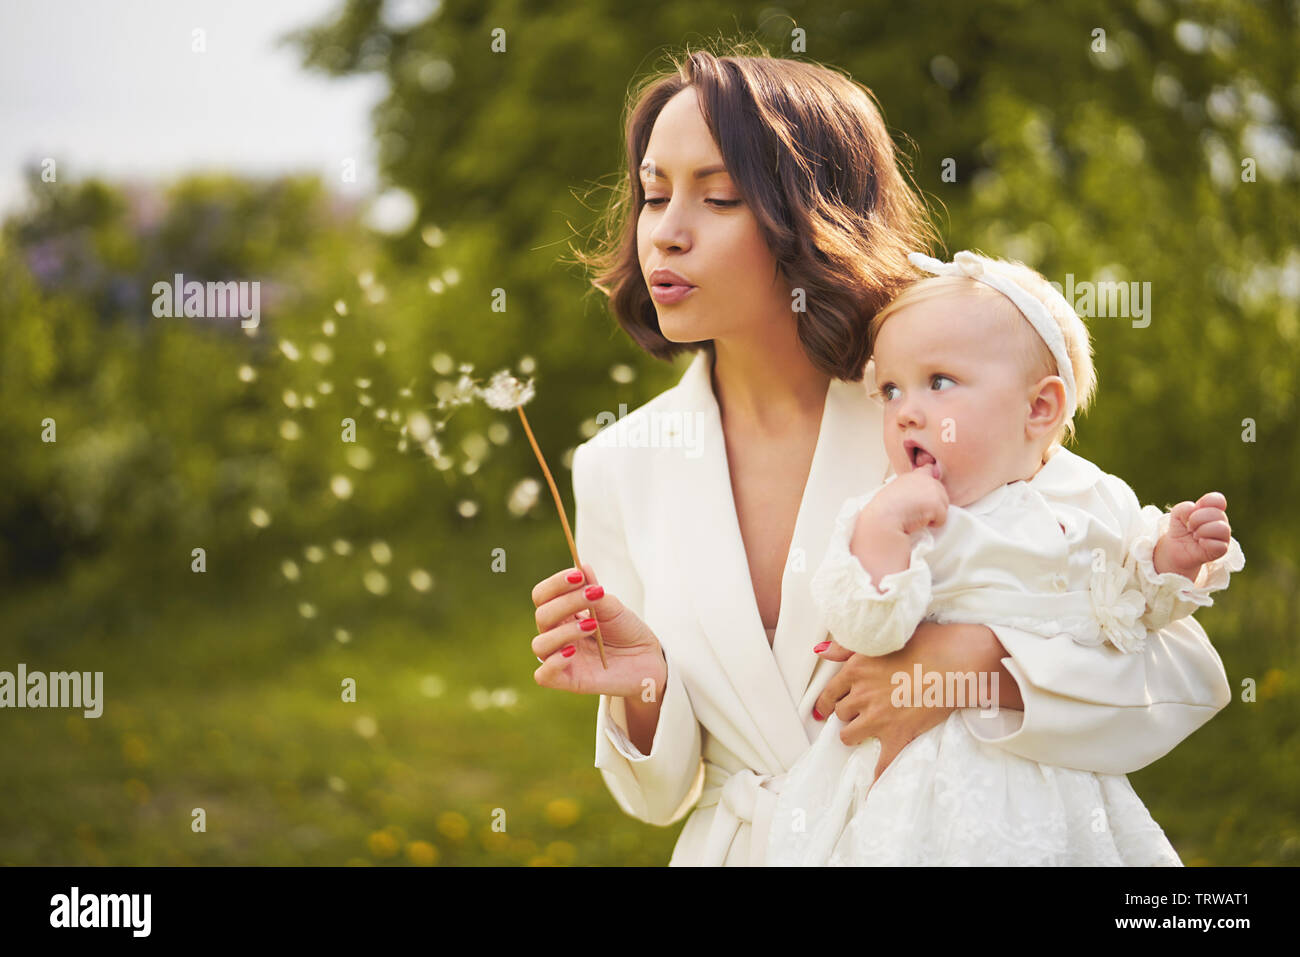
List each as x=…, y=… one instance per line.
x=771, y=223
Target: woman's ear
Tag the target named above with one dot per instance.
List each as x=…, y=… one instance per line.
x=1046, y=407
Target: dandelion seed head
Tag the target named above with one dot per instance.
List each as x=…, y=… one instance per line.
x=474, y=445
x=451, y=275
x=504, y=392
x=366, y=278
x=469, y=466
x=436, y=286
x=363, y=383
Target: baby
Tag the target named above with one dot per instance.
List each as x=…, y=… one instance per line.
x=987, y=519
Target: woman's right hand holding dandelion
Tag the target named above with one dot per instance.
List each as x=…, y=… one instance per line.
x=631, y=649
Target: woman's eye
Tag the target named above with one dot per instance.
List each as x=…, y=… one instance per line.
x=940, y=378
x=719, y=202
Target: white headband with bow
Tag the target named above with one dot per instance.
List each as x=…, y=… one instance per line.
x=988, y=271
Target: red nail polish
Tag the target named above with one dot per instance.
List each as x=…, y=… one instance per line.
x=594, y=592
x=820, y=647
x=589, y=624
x=574, y=577
x=817, y=716
x=568, y=651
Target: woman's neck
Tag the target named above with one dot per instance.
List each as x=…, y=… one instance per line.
x=770, y=389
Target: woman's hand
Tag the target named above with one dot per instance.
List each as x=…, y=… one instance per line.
x=631, y=648
x=860, y=692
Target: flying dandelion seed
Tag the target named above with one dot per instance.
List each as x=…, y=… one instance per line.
x=342, y=546
x=376, y=294
x=289, y=430
x=480, y=699
x=432, y=686
x=421, y=580
x=469, y=467
x=340, y=307
x=247, y=374
x=588, y=428
x=474, y=445
x=498, y=433
x=342, y=636
x=324, y=387
x=327, y=327
x=433, y=449
x=419, y=427
x=381, y=413
x=376, y=582
x=289, y=569
x=360, y=457
x=337, y=784
x=289, y=349
x=381, y=553
x=363, y=383
x=309, y=401
x=622, y=373
x=405, y=393
x=527, y=365
x=341, y=486
x=442, y=363
x=321, y=352
x=314, y=554
x=380, y=347
x=290, y=398
x=432, y=236
x=259, y=517
x=442, y=463
x=451, y=275
x=365, y=400
x=467, y=508
x=366, y=278
x=435, y=286
x=365, y=726
x=504, y=697
x=307, y=609
x=524, y=496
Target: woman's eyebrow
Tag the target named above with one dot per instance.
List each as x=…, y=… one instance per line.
x=701, y=173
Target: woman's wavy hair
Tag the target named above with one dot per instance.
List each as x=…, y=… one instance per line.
x=809, y=151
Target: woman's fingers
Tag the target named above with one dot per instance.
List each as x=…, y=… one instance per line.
x=556, y=639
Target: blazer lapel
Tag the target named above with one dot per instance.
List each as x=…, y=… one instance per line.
x=848, y=460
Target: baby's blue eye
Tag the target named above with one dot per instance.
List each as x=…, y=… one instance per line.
x=887, y=390
x=936, y=378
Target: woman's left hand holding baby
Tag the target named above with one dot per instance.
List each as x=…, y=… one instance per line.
x=1198, y=533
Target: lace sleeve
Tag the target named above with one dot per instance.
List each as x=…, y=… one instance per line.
x=863, y=616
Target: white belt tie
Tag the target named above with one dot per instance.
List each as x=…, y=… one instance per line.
x=743, y=797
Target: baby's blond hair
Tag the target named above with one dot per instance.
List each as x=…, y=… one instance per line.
x=1036, y=357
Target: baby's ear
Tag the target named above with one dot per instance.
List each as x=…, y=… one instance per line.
x=1046, y=406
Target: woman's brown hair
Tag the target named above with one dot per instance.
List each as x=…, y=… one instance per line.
x=809, y=150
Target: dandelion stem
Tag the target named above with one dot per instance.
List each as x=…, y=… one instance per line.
x=564, y=520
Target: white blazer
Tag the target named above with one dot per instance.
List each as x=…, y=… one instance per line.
x=657, y=522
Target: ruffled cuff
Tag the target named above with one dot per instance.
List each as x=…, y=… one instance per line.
x=1171, y=596
x=867, y=617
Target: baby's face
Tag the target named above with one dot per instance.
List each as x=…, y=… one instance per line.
x=955, y=392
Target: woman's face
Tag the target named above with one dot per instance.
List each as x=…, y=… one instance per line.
x=701, y=228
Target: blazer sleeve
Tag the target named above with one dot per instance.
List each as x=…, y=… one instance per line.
x=659, y=787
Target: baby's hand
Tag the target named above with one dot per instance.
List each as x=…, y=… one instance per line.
x=909, y=503
x=1198, y=533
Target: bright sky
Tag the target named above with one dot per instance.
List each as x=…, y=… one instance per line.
x=112, y=87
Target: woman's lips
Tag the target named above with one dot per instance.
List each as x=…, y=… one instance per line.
x=667, y=295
